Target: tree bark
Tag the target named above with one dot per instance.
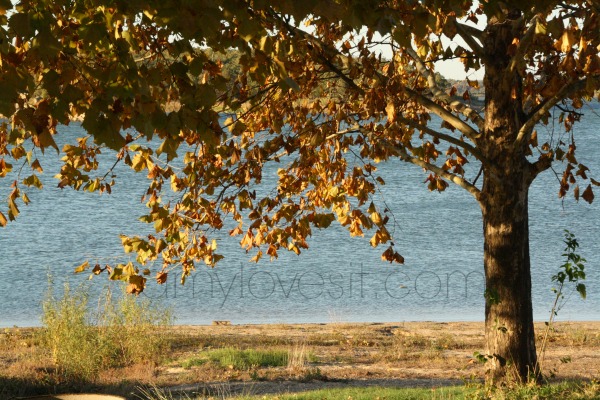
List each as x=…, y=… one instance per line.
x=509, y=332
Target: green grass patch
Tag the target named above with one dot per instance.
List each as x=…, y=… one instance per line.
x=563, y=390
x=458, y=392
x=240, y=359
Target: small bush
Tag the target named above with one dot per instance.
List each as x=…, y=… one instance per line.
x=121, y=332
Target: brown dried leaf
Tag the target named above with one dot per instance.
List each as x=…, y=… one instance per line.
x=588, y=194
x=161, y=277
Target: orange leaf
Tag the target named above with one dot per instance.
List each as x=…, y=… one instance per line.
x=82, y=267
x=161, y=277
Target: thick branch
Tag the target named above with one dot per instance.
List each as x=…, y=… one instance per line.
x=439, y=94
x=442, y=136
x=541, y=165
x=546, y=106
x=444, y=114
x=469, y=34
x=404, y=156
x=524, y=44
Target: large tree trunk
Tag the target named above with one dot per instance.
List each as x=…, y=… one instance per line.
x=509, y=333
x=510, y=338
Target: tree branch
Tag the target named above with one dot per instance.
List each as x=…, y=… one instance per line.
x=469, y=34
x=444, y=114
x=541, y=165
x=439, y=94
x=426, y=102
x=442, y=136
x=524, y=44
x=404, y=156
x=569, y=88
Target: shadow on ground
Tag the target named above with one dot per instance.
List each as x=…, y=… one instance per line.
x=226, y=389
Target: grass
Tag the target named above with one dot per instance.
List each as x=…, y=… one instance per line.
x=563, y=390
x=240, y=359
x=374, y=393
x=122, y=332
x=248, y=357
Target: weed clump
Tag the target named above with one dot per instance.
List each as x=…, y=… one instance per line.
x=124, y=330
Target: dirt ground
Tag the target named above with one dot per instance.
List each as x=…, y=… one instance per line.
x=411, y=354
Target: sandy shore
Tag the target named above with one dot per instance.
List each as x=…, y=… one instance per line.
x=408, y=354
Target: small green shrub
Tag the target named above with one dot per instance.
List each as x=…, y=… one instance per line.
x=194, y=362
x=245, y=359
x=122, y=331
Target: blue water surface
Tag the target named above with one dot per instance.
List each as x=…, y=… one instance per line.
x=339, y=279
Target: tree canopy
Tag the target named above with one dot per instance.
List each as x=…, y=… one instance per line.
x=314, y=94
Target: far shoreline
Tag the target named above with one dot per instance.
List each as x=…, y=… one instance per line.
x=406, y=323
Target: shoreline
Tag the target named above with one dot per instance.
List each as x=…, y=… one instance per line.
x=336, y=323
x=319, y=355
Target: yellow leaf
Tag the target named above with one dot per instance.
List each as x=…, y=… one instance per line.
x=390, y=109
x=129, y=270
x=257, y=257
x=540, y=28
x=3, y=221
x=376, y=218
x=82, y=267
x=566, y=41
x=374, y=240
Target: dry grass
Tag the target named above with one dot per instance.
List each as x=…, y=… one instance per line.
x=312, y=352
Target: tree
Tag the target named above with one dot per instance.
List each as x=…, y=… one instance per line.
x=116, y=64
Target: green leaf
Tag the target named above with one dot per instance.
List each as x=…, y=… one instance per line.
x=582, y=291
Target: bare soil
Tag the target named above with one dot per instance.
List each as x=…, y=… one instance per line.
x=411, y=354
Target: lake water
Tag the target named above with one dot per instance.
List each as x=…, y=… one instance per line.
x=339, y=279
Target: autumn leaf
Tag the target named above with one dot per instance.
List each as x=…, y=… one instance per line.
x=136, y=284
x=588, y=194
x=390, y=109
x=161, y=277
x=392, y=256
x=82, y=267
x=566, y=41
